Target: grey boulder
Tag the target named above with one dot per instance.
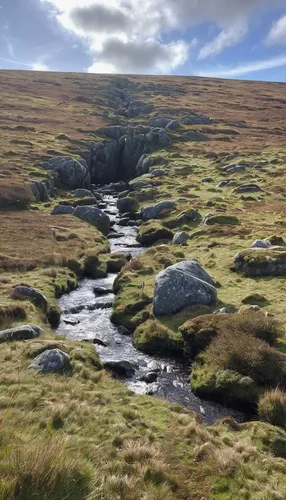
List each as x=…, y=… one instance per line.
x=123, y=368
x=157, y=172
x=194, y=136
x=51, y=361
x=181, y=285
x=247, y=188
x=180, y=238
x=127, y=205
x=68, y=171
x=94, y=216
x=23, y=332
x=83, y=193
x=155, y=211
x=261, y=244
x=63, y=210
x=21, y=292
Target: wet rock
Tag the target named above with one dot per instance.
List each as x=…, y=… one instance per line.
x=127, y=204
x=123, y=368
x=83, y=193
x=180, y=238
x=99, y=342
x=123, y=222
x=114, y=235
x=69, y=172
x=261, y=244
x=100, y=290
x=182, y=285
x=21, y=292
x=71, y=322
x=149, y=378
x=94, y=216
x=63, y=210
x=247, y=188
x=155, y=211
x=99, y=305
x=23, y=332
x=51, y=361
x=154, y=366
x=123, y=331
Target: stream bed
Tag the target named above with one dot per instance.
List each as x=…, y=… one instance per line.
x=86, y=316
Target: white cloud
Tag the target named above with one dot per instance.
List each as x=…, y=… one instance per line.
x=277, y=34
x=227, y=38
x=39, y=66
x=244, y=69
x=101, y=67
x=133, y=27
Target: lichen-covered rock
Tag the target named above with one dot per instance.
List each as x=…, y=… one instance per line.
x=69, y=172
x=181, y=285
x=21, y=292
x=155, y=211
x=257, y=262
x=62, y=210
x=180, y=238
x=127, y=205
x=94, y=216
x=23, y=332
x=51, y=361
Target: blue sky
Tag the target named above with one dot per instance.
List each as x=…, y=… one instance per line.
x=221, y=38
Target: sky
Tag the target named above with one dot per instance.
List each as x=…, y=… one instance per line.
x=244, y=39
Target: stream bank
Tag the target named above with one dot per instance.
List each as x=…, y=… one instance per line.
x=86, y=316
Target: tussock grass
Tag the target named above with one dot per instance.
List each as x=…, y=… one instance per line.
x=272, y=407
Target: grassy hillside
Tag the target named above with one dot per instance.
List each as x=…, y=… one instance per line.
x=81, y=434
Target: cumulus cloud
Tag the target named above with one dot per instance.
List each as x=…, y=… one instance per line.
x=226, y=38
x=277, y=34
x=148, y=36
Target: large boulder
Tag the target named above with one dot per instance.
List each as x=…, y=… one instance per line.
x=69, y=172
x=257, y=262
x=22, y=292
x=23, y=332
x=155, y=211
x=62, y=210
x=182, y=285
x=94, y=216
x=83, y=193
x=51, y=361
x=127, y=205
x=104, y=161
x=152, y=232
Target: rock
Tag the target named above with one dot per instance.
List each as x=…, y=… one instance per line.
x=173, y=125
x=94, y=216
x=137, y=185
x=255, y=299
x=123, y=368
x=83, y=193
x=207, y=179
x=99, y=342
x=71, y=322
x=116, y=261
x=123, y=222
x=100, y=290
x=23, y=332
x=222, y=184
x=143, y=165
x=180, y=238
x=82, y=202
x=123, y=331
x=194, y=136
x=247, y=188
x=42, y=190
x=154, y=366
x=196, y=120
x=261, y=244
x=182, y=285
x=63, y=210
x=114, y=235
x=157, y=138
x=155, y=211
x=189, y=216
x=51, y=361
x=158, y=172
x=127, y=205
x=69, y=172
x=151, y=232
x=119, y=187
x=257, y=262
x=149, y=377
x=223, y=310
x=160, y=122
x=21, y=292
x=227, y=220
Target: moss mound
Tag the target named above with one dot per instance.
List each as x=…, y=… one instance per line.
x=227, y=220
x=154, y=338
x=152, y=232
x=272, y=409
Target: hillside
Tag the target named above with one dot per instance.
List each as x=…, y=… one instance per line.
x=199, y=166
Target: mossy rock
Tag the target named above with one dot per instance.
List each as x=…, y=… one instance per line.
x=276, y=240
x=261, y=262
x=154, y=338
x=116, y=262
x=226, y=386
x=151, y=232
x=255, y=299
x=223, y=220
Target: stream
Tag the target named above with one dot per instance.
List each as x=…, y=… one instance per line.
x=86, y=316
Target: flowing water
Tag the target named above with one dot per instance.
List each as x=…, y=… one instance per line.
x=86, y=316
